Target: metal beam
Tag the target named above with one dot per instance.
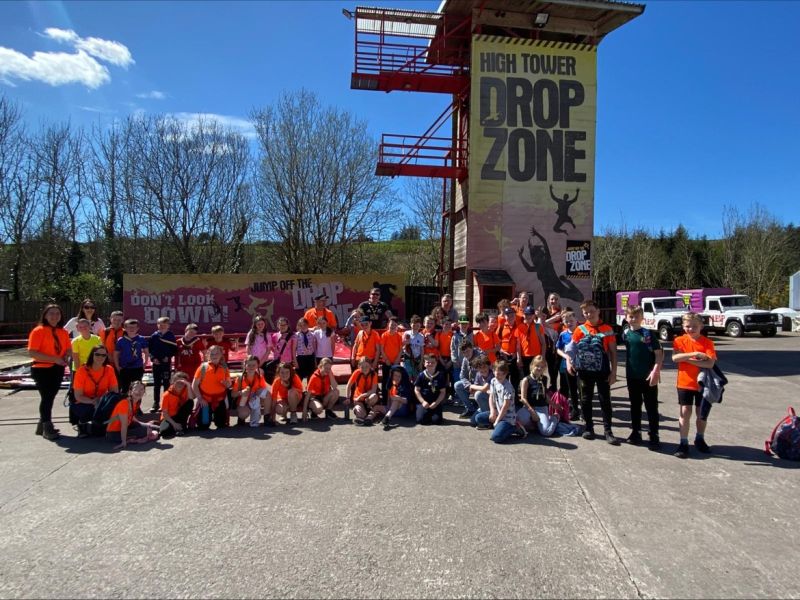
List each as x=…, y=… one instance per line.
x=520, y=20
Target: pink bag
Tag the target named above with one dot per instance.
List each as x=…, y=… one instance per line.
x=559, y=405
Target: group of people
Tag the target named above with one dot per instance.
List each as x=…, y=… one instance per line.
x=525, y=368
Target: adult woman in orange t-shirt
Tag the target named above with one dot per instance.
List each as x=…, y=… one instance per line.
x=49, y=346
x=92, y=381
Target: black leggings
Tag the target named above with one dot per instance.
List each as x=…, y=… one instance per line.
x=48, y=382
x=639, y=390
x=181, y=418
x=219, y=416
x=568, y=386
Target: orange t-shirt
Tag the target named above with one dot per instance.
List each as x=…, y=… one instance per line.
x=529, y=343
x=609, y=341
x=94, y=383
x=367, y=345
x=360, y=383
x=110, y=337
x=687, y=370
x=255, y=384
x=444, y=343
x=49, y=340
x=508, y=337
x=392, y=344
x=312, y=314
x=123, y=410
x=487, y=342
x=319, y=384
x=280, y=392
x=212, y=384
x=431, y=349
x=171, y=401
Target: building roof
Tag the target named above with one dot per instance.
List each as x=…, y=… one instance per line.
x=492, y=277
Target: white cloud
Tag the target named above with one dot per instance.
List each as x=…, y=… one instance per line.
x=61, y=68
x=152, y=95
x=53, y=68
x=237, y=124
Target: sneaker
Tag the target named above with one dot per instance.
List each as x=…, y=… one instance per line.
x=611, y=439
x=588, y=434
x=312, y=415
x=654, y=444
x=155, y=409
x=574, y=415
x=293, y=419
x=330, y=414
x=369, y=422
x=483, y=426
x=701, y=446
x=634, y=438
x=682, y=451
x=359, y=422
x=467, y=414
x=268, y=421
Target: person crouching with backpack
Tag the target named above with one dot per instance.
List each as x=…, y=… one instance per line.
x=362, y=392
x=212, y=380
x=175, y=406
x=92, y=381
x=123, y=426
x=593, y=357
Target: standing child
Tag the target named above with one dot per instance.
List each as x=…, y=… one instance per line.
x=130, y=356
x=391, y=349
x=501, y=413
x=643, y=360
x=283, y=344
x=430, y=389
x=326, y=340
x=217, y=338
x=258, y=343
x=485, y=338
x=413, y=347
x=362, y=392
x=251, y=394
x=112, y=333
x=305, y=348
x=211, y=383
x=190, y=351
x=692, y=352
x=83, y=344
x=463, y=332
x=322, y=389
x=568, y=382
x=163, y=346
x=367, y=345
x=595, y=349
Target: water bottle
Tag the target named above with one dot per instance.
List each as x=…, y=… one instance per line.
x=205, y=415
x=255, y=411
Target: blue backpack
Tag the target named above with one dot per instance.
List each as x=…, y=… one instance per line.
x=590, y=353
x=785, y=439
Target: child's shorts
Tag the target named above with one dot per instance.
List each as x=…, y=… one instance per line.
x=694, y=398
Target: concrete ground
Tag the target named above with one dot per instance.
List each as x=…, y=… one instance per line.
x=339, y=511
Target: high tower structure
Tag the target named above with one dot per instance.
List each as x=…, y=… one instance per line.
x=517, y=142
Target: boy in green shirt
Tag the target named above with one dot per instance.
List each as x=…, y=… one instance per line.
x=644, y=358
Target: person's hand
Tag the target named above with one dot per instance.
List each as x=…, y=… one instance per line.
x=227, y=382
x=61, y=362
x=425, y=405
x=612, y=378
x=570, y=367
x=654, y=378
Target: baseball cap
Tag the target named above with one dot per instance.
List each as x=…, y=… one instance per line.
x=529, y=310
x=365, y=319
x=508, y=311
x=463, y=319
x=321, y=296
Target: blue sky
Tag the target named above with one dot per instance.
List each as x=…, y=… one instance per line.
x=697, y=101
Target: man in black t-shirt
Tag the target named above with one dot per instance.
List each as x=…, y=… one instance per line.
x=377, y=311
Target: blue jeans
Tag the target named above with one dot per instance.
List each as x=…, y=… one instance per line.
x=462, y=393
x=502, y=431
x=482, y=399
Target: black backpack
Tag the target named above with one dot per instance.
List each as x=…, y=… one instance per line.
x=102, y=412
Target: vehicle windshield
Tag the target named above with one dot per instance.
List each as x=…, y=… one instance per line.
x=668, y=304
x=736, y=301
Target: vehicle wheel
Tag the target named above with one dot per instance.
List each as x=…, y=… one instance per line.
x=734, y=329
x=664, y=332
x=769, y=332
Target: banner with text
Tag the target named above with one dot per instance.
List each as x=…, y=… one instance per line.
x=531, y=176
x=233, y=300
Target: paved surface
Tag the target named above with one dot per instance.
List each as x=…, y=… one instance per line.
x=340, y=511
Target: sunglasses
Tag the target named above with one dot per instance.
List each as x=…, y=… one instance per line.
x=98, y=355
x=92, y=306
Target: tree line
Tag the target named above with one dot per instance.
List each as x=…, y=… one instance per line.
x=154, y=194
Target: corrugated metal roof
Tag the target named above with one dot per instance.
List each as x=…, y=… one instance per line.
x=399, y=22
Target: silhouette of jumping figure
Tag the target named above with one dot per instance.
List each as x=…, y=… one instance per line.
x=562, y=212
x=541, y=263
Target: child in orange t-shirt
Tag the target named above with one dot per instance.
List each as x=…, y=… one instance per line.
x=287, y=392
x=211, y=383
x=362, y=391
x=323, y=391
x=692, y=352
x=251, y=394
x=175, y=406
x=123, y=427
x=391, y=349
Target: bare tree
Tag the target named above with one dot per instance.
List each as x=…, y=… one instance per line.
x=609, y=269
x=192, y=183
x=649, y=261
x=316, y=189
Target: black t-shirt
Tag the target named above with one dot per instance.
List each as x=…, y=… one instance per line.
x=536, y=392
x=375, y=312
